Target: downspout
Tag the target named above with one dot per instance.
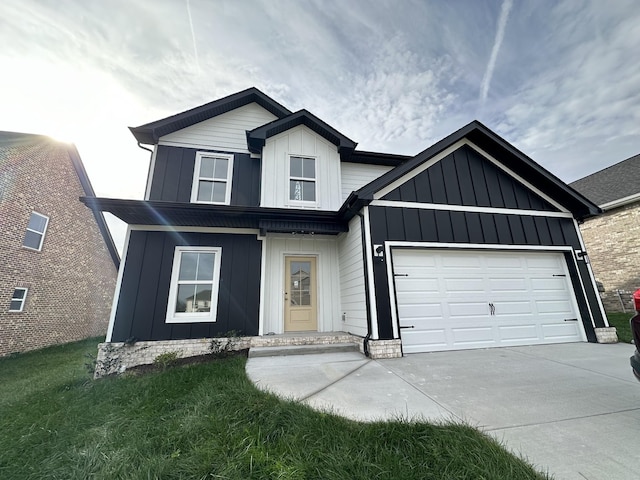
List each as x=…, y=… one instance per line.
x=365, y=344
x=145, y=148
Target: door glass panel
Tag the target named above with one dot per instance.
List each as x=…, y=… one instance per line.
x=300, y=283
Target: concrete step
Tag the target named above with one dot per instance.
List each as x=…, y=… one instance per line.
x=280, y=350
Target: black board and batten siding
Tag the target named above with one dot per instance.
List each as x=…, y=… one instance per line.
x=465, y=178
x=142, y=305
x=173, y=176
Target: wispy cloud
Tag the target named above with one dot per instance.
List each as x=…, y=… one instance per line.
x=488, y=74
x=193, y=35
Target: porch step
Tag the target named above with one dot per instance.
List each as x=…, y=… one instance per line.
x=280, y=350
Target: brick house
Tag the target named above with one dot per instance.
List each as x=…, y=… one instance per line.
x=612, y=238
x=58, y=262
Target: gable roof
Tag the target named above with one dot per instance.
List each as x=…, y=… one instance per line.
x=150, y=133
x=17, y=138
x=500, y=149
x=257, y=137
x=612, y=185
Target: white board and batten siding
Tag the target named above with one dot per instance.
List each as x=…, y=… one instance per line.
x=352, y=291
x=356, y=175
x=326, y=252
x=301, y=141
x=461, y=299
x=225, y=132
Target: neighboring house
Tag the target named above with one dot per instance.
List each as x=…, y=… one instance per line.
x=612, y=238
x=469, y=244
x=58, y=263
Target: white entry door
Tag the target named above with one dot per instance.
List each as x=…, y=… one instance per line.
x=451, y=299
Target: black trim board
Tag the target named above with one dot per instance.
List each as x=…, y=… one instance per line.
x=144, y=292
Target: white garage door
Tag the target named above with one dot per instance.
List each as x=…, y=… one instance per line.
x=459, y=299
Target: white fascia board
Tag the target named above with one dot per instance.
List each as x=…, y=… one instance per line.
x=479, y=246
x=620, y=202
x=465, y=208
x=436, y=158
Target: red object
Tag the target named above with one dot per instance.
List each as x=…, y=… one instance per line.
x=636, y=300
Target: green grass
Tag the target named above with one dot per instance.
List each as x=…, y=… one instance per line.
x=621, y=322
x=208, y=421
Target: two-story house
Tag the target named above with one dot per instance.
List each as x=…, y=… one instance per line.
x=270, y=222
x=58, y=263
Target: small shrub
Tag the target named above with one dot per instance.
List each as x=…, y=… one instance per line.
x=166, y=360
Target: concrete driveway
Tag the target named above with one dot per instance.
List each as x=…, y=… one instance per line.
x=570, y=409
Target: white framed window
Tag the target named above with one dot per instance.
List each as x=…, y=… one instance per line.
x=193, y=294
x=302, y=180
x=36, y=229
x=18, y=300
x=212, y=178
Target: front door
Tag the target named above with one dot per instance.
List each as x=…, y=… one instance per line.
x=300, y=305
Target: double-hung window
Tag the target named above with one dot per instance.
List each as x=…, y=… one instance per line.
x=193, y=294
x=18, y=300
x=302, y=179
x=212, y=178
x=36, y=229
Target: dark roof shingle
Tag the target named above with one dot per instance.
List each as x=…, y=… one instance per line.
x=612, y=183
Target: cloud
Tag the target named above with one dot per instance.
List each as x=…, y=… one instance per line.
x=502, y=23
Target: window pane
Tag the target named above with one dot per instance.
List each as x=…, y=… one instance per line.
x=202, y=301
x=219, y=191
x=296, y=167
x=205, y=191
x=32, y=239
x=185, y=300
x=309, y=191
x=305, y=298
x=188, y=266
x=205, y=266
x=309, y=168
x=206, y=167
x=295, y=190
x=222, y=166
x=18, y=294
x=15, y=305
x=37, y=222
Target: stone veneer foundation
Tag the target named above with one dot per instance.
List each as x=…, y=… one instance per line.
x=117, y=357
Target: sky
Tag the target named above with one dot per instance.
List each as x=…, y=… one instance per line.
x=560, y=80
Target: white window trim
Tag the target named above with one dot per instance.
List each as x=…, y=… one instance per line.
x=196, y=177
x=22, y=300
x=301, y=203
x=43, y=233
x=196, y=317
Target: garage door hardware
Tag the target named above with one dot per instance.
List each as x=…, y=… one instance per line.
x=570, y=319
x=560, y=275
x=492, y=309
x=400, y=274
x=408, y=326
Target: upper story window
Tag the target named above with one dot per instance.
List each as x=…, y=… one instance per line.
x=212, y=178
x=18, y=300
x=193, y=294
x=302, y=179
x=36, y=229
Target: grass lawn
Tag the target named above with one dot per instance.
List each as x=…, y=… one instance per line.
x=621, y=322
x=208, y=421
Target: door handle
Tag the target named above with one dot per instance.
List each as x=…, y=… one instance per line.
x=492, y=309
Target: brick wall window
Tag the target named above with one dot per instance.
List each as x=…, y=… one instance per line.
x=18, y=300
x=34, y=237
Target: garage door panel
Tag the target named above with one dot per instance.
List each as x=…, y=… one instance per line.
x=528, y=333
x=446, y=298
x=464, y=285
